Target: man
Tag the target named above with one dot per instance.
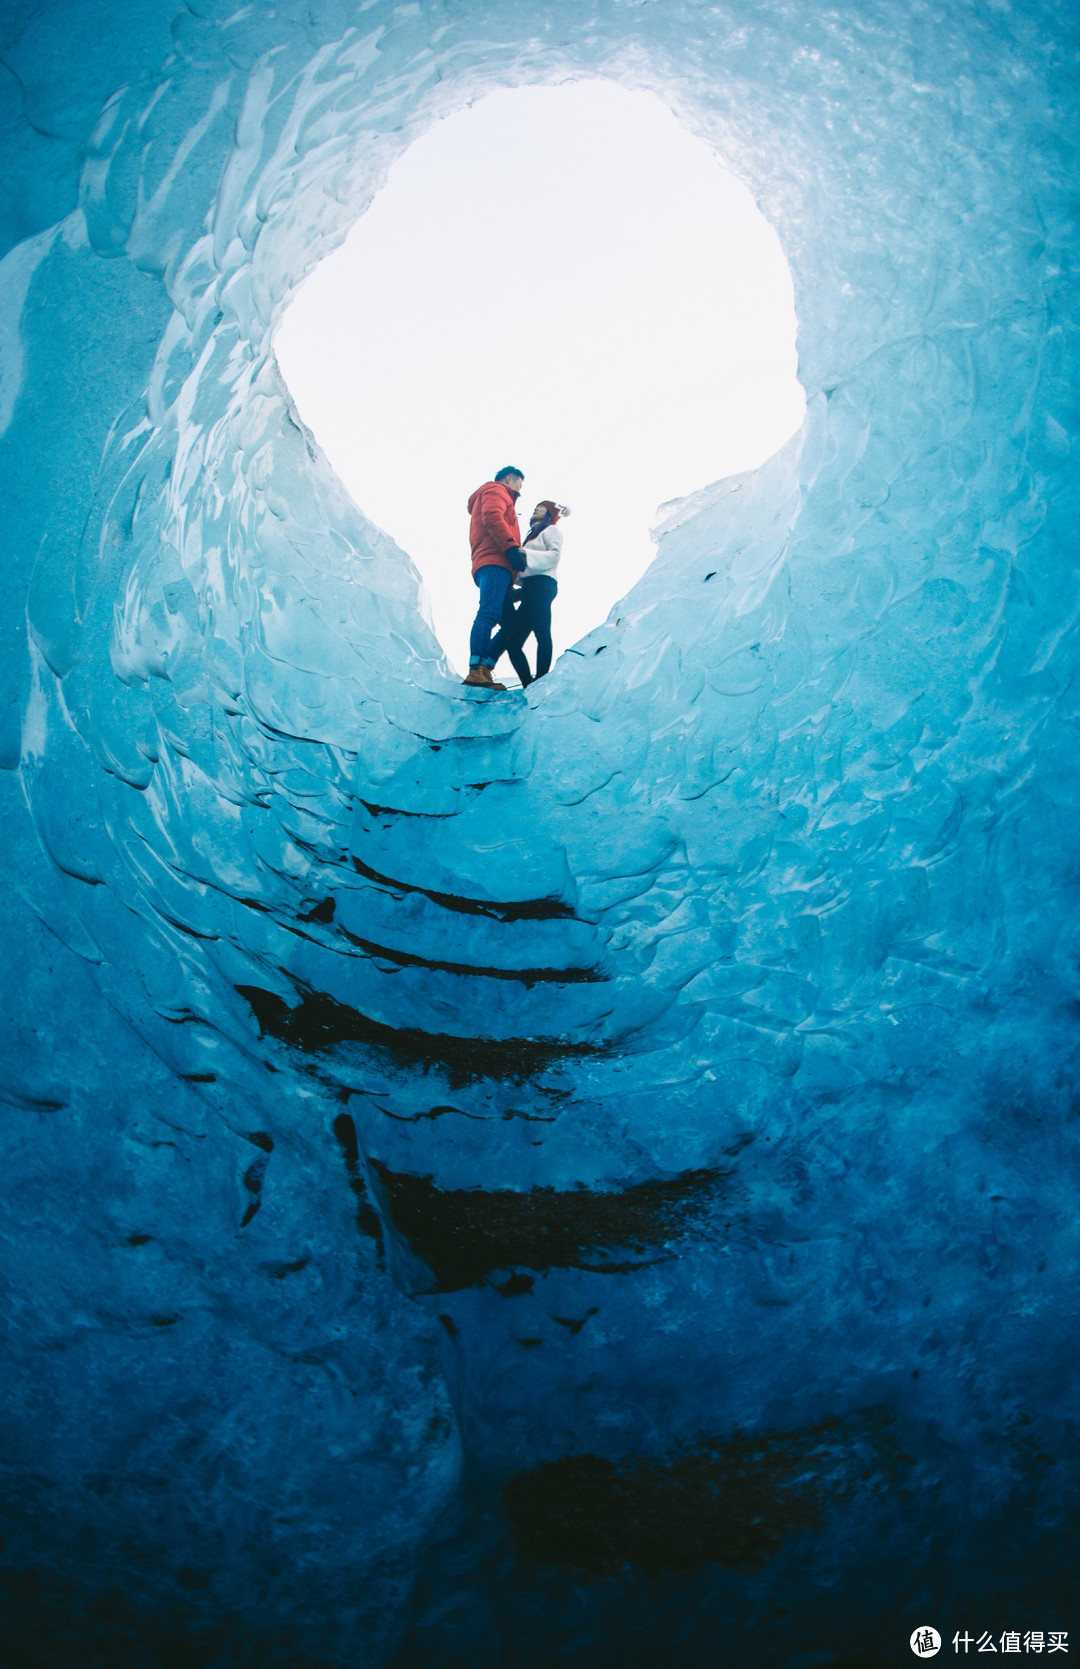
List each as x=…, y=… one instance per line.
x=496, y=557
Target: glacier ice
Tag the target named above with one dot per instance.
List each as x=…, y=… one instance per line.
x=587, y=1177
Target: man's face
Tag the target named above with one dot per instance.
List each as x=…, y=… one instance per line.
x=514, y=482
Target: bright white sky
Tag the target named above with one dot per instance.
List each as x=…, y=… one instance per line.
x=561, y=278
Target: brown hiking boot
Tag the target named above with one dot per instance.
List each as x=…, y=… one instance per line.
x=480, y=678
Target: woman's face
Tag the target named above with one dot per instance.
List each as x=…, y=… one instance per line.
x=539, y=513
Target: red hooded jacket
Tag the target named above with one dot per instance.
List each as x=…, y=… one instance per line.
x=493, y=524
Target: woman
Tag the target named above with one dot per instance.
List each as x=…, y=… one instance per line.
x=542, y=545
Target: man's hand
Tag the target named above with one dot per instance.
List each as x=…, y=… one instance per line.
x=514, y=557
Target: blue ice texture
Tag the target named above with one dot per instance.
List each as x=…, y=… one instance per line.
x=775, y=876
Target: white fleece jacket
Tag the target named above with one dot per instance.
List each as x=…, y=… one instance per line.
x=543, y=552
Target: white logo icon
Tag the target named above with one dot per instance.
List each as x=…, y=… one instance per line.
x=926, y=1642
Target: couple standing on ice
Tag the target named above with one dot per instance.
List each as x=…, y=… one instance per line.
x=503, y=563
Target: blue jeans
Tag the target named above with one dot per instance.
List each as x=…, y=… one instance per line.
x=494, y=582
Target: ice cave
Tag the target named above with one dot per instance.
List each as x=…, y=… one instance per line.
x=588, y=1178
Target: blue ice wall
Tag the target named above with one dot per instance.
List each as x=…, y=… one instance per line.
x=586, y=1177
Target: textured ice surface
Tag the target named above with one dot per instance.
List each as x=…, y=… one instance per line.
x=408, y=1097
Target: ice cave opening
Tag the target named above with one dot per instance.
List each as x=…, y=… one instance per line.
x=564, y=274
x=581, y=1178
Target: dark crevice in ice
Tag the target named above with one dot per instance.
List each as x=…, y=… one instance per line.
x=320, y=1022
x=572, y=1324
x=279, y=1271
x=515, y=1286
x=322, y=912
x=367, y=1218
x=732, y=1502
x=395, y=811
x=323, y=915
x=524, y=976
x=464, y=1235
x=253, y=1182
x=526, y=909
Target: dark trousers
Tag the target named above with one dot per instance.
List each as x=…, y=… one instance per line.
x=507, y=641
x=494, y=583
x=532, y=617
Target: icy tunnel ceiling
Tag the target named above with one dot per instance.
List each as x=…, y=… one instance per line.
x=487, y=1179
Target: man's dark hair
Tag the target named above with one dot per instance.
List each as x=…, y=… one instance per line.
x=510, y=469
